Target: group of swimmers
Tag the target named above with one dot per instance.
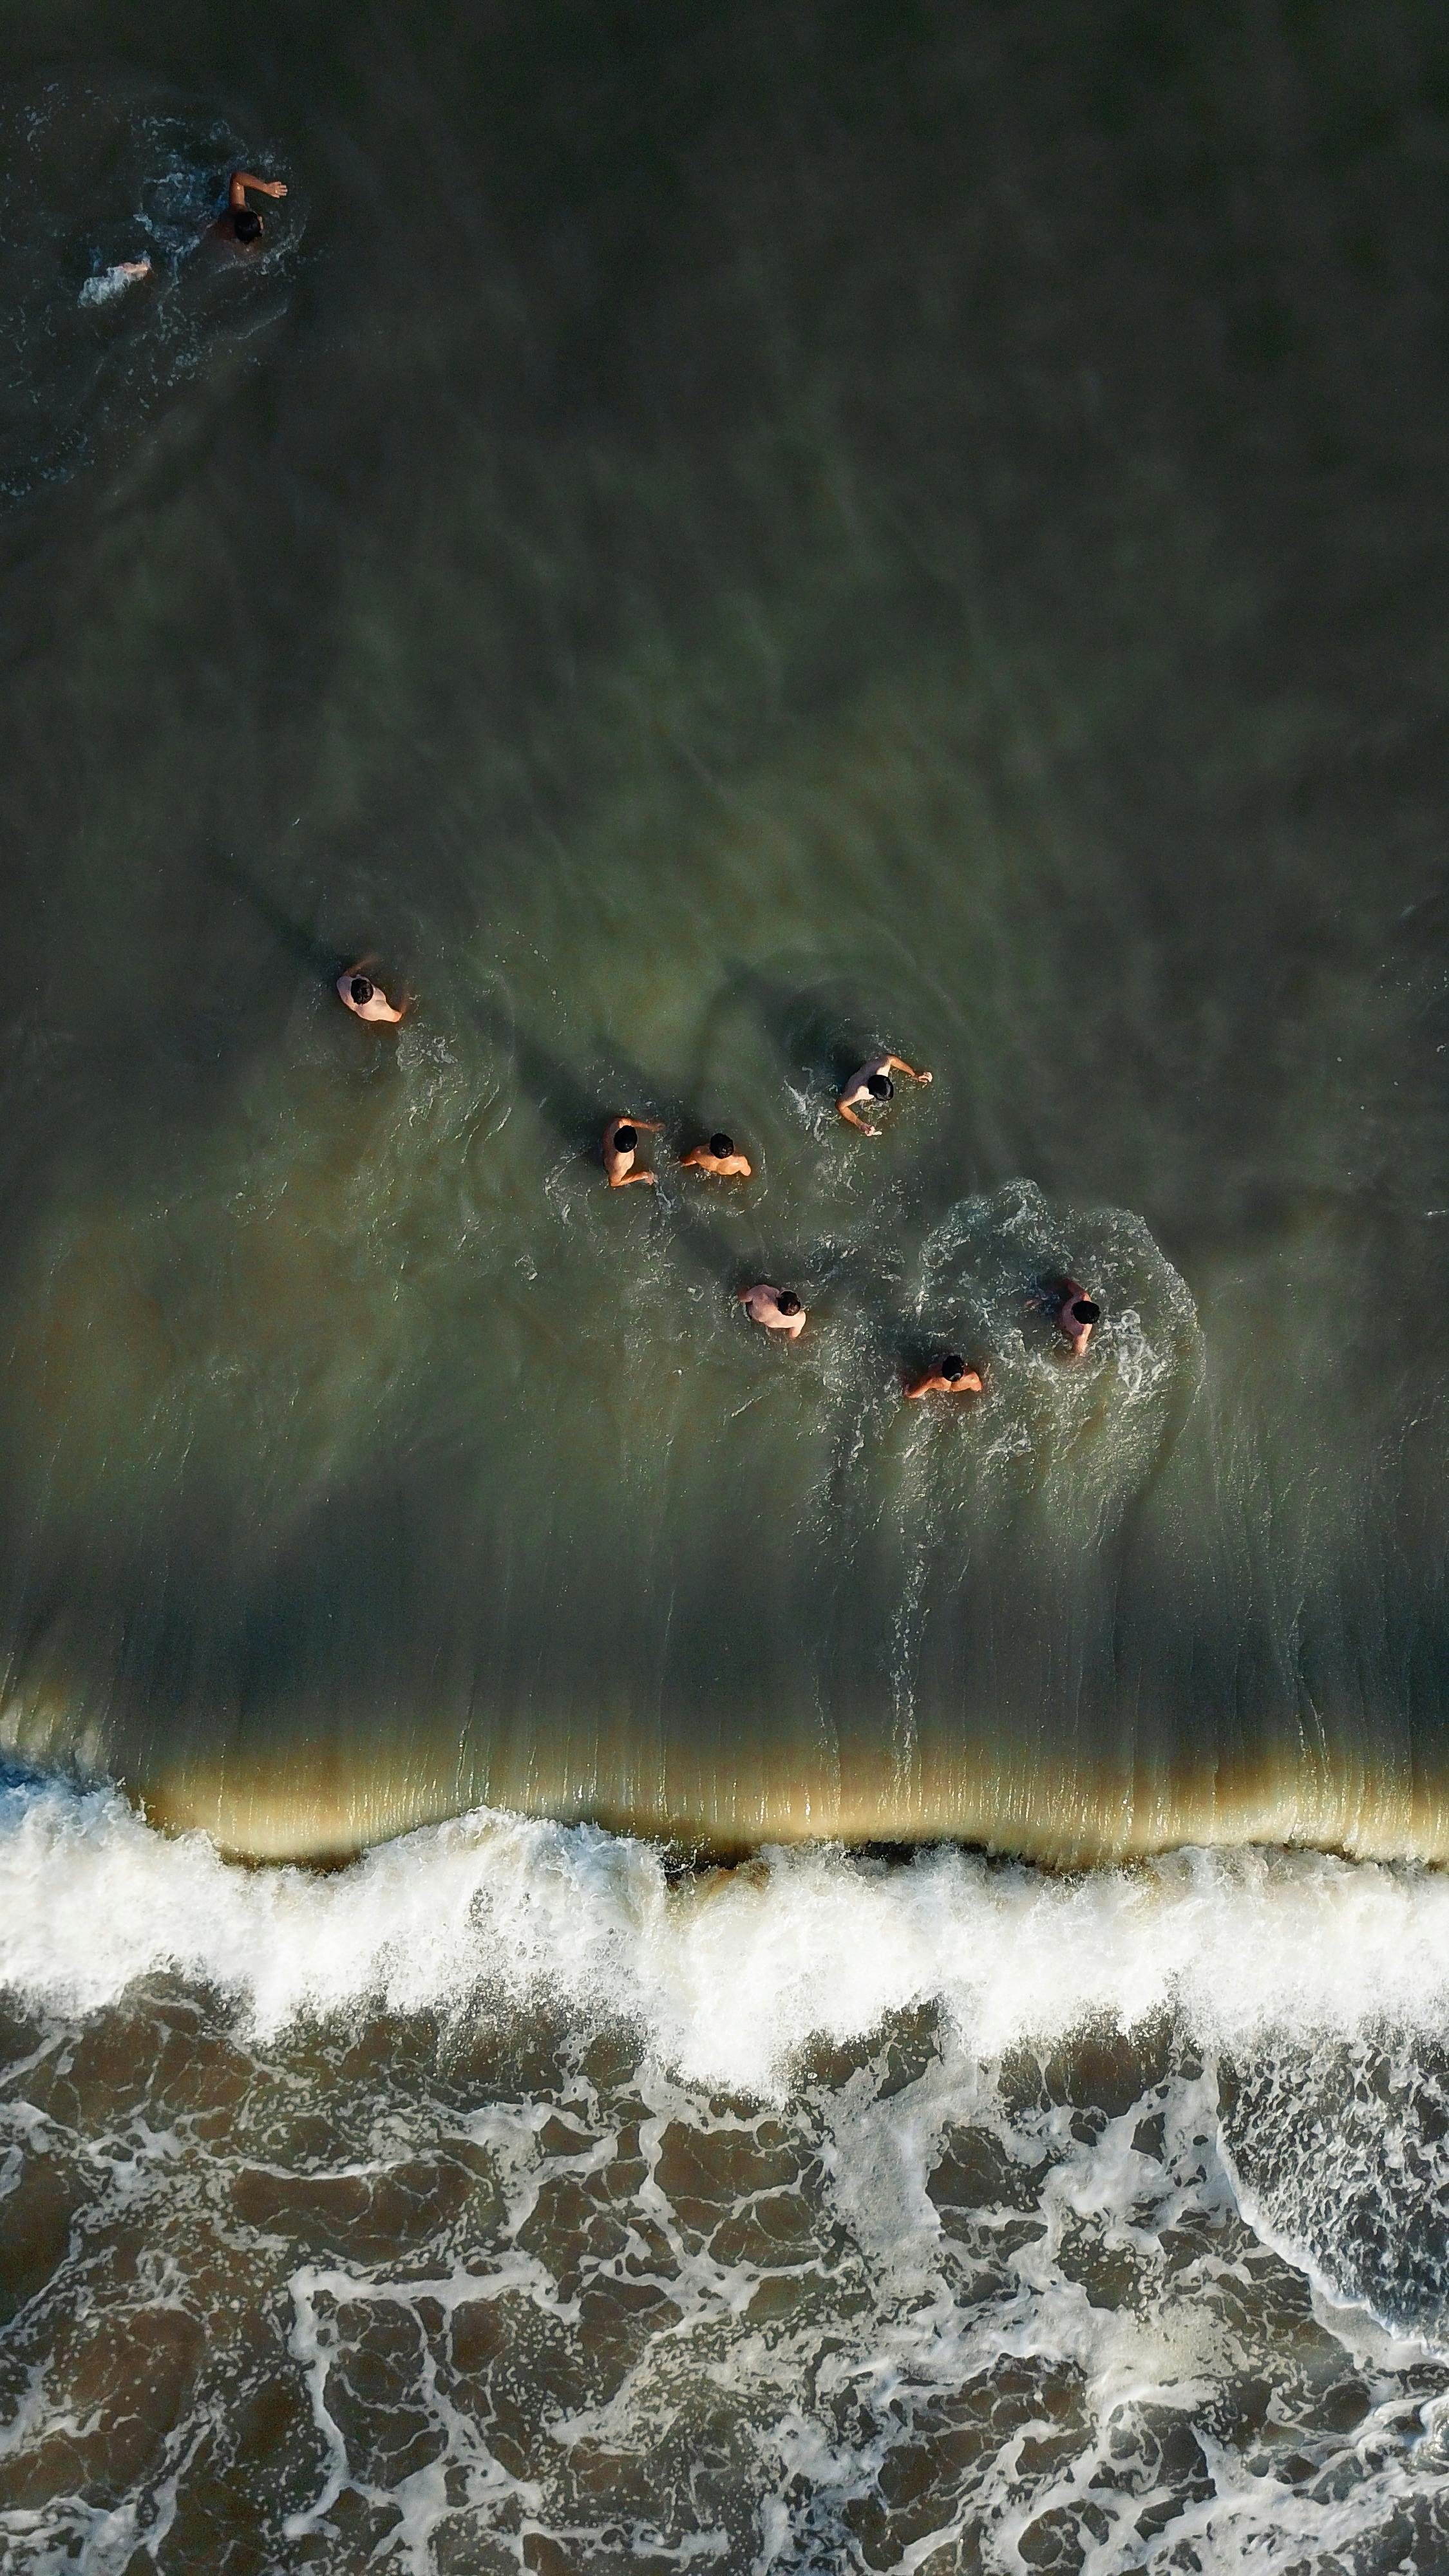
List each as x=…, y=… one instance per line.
x=238, y=226
x=776, y=1310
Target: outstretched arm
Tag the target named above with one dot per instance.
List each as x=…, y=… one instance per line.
x=898, y=1064
x=241, y=180
x=626, y=1180
x=849, y=1115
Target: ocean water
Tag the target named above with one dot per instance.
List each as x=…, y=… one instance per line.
x=496, y=2203
x=621, y=1951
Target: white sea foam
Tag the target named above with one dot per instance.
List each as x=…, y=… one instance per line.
x=1024, y=2292
x=727, y=1976
x=105, y=288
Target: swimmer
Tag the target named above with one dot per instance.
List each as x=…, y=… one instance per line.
x=621, y=1138
x=1076, y=1313
x=366, y=1000
x=873, y=1082
x=778, y=1309
x=947, y=1376
x=114, y=281
x=719, y=1157
x=241, y=223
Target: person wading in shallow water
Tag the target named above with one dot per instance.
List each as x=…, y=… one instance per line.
x=778, y=1309
x=948, y=1375
x=240, y=223
x=366, y=1000
x=719, y=1157
x=621, y=1139
x=871, y=1083
x=1076, y=1313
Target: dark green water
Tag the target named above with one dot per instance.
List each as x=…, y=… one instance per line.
x=711, y=541
x=717, y=540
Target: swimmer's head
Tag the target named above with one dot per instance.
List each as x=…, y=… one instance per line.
x=788, y=1302
x=625, y=1138
x=721, y=1145
x=246, y=224
x=362, y=988
x=879, y=1085
x=1085, y=1312
x=953, y=1366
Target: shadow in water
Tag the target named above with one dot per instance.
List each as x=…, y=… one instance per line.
x=315, y=956
x=823, y=1030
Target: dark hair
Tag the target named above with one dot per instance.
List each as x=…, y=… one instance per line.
x=879, y=1085
x=953, y=1366
x=246, y=224
x=1085, y=1312
x=788, y=1302
x=721, y=1144
x=362, y=988
x=625, y=1137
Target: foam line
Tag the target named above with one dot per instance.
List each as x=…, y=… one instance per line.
x=729, y=1975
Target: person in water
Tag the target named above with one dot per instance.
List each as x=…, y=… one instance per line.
x=872, y=1083
x=1076, y=1313
x=719, y=1157
x=778, y=1309
x=948, y=1375
x=241, y=223
x=366, y=1000
x=621, y=1141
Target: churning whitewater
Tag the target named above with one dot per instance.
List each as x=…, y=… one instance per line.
x=825, y=2213
x=723, y=1976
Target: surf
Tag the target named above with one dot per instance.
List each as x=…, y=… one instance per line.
x=725, y=1974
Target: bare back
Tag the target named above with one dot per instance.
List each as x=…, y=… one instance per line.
x=366, y=1000
x=762, y=1304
